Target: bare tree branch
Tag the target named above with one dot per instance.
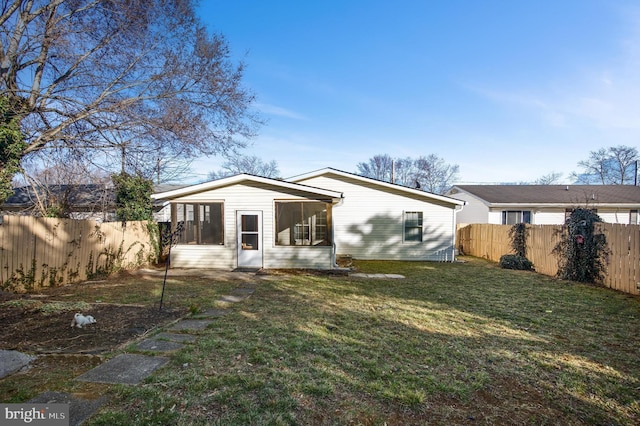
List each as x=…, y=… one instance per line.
x=138, y=77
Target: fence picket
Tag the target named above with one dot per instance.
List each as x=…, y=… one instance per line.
x=64, y=250
x=623, y=269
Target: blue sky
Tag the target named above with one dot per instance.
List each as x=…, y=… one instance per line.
x=508, y=90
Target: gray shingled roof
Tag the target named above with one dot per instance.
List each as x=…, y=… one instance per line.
x=553, y=194
x=81, y=197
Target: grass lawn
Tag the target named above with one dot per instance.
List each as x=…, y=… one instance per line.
x=463, y=343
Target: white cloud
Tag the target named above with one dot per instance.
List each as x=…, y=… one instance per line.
x=279, y=111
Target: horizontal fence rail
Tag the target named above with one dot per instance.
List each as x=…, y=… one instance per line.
x=623, y=241
x=46, y=252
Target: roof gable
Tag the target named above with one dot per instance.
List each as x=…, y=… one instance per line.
x=379, y=183
x=240, y=178
x=552, y=194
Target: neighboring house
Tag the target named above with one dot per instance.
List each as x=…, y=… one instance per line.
x=247, y=221
x=86, y=201
x=545, y=204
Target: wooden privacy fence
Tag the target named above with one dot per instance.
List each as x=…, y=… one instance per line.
x=623, y=241
x=41, y=252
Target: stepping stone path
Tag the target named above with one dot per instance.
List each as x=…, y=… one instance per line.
x=392, y=276
x=190, y=324
x=132, y=369
x=13, y=361
x=128, y=369
x=80, y=409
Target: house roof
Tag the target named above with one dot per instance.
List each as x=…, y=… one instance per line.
x=553, y=194
x=388, y=185
x=79, y=196
x=244, y=177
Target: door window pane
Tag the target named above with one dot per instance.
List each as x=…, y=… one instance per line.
x=249, y=223
x=249, y=241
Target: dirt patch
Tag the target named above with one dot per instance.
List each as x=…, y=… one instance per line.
x=43, y=326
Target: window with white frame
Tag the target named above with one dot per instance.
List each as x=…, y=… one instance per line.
x=302, y=223
x=413, y=226
x=203, y=223
x=633, y=217
x=511, y=217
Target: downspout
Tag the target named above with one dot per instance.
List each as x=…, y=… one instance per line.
x=334, y=255
x=455, y=228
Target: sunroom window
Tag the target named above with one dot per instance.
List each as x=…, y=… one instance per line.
x=302, y=223
x=203, y=223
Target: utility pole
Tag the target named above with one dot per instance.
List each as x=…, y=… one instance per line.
x=393, y=170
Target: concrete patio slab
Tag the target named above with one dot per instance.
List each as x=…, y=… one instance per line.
x=129, y=369
x=79, y=409
x=12, y=361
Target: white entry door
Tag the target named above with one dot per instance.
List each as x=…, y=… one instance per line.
x=249, y=239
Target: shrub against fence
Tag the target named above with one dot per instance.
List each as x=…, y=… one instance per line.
x=42, y=252
x=623, y=241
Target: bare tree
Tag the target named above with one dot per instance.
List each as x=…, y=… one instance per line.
x=57, y=184
x=247, y=164
x=609, y=166
x=624, y=160
x=126, y=78
x=552, y=178
x=403, y=171
x=378, y=167
x=430, y=173
x=434, y=175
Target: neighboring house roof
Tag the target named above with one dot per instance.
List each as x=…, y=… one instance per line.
x=84, y=197
x=380, y=183
x=565, y=195
x=244, y=177
x=81, y=197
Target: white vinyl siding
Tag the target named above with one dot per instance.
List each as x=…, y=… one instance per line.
x=248, y=196
x=623, y=216
x=474, y=211
x=369, y=222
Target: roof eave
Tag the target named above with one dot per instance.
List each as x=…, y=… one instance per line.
x=441, y=198
x=182, y=192
x=564, y=205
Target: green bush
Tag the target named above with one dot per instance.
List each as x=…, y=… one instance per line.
x=514, y=261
